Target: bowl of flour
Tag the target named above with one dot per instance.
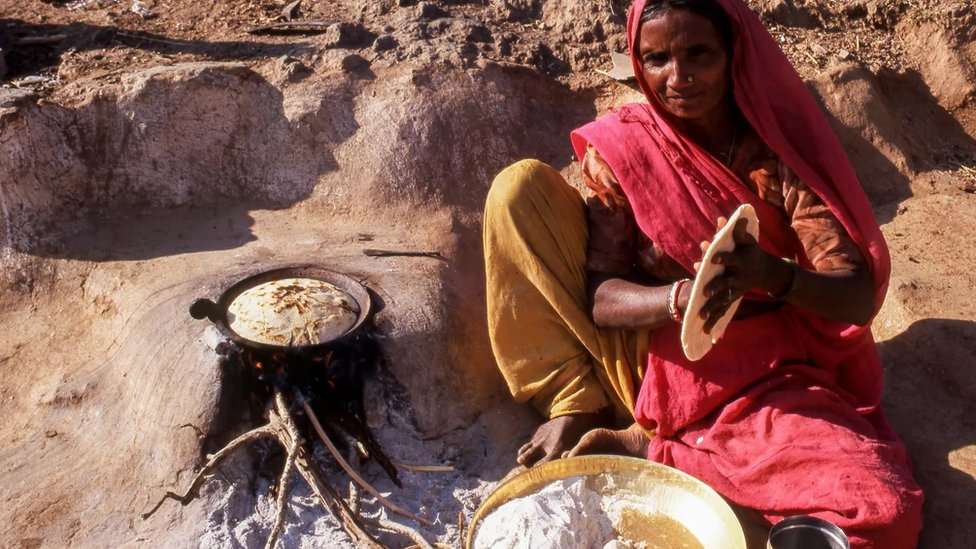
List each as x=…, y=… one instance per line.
x=604, y=502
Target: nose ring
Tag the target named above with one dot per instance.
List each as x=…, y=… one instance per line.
x=690, y=78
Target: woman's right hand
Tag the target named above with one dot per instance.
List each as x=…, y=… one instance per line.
x=557, y=436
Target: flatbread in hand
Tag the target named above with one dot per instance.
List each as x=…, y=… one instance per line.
x=694, y=341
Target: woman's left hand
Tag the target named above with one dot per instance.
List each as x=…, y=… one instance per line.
x=747, y=268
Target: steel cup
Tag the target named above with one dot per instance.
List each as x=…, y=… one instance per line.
x=805, y=532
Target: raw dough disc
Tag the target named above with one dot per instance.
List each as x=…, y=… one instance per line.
x=695, y=342
x=292, y=312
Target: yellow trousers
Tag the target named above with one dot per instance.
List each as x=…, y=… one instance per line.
x=542, y=333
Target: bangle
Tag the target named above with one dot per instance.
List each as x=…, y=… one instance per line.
x=673, y=300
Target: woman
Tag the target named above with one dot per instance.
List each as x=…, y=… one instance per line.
x=585, y=299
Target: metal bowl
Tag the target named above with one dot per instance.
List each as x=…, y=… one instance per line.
x=216, y=312
x=806, y=532
x=684, y=503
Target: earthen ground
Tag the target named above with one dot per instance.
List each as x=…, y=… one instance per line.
x=148, y=162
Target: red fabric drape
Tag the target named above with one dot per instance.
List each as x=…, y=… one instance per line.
x=763, y=366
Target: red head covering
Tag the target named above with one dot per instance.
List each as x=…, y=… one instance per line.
x=778, y=105
x=731, y=418
x=677, y=191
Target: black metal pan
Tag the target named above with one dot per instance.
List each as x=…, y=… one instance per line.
x=216, y=312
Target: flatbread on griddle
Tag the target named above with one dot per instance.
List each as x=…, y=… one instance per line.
x=292, y=312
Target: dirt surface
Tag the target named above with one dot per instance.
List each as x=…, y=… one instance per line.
x=150, y=159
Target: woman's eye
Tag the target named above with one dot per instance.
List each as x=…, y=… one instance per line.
x=656, y=58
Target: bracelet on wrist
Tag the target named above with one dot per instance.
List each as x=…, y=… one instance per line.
x=673, y=294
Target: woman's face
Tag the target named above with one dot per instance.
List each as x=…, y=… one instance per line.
x=685, y=63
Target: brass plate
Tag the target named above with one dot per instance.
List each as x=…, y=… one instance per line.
x=687, y=507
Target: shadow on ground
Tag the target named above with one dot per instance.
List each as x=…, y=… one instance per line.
x=931, y=400
x=27, y=59
x=159, y=233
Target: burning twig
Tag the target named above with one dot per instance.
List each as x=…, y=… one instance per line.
x=352, y=472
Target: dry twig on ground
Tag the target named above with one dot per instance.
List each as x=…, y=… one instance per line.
x=281, y=426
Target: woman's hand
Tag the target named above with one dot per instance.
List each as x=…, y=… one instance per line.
x=747, y=268
x=556, y=436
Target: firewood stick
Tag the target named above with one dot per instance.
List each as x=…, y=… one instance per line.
x=352, y=473
x=292, y=445
x=425, y=468
x=212, y=462
x=353, y=492
x=402, y=253
x=331, y=500
x=298, y=26
x=414, y=535
x=281, y=504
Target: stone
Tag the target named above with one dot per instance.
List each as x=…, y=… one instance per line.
x=347, y=35
x=517, y=10
x=429, y=10
x=791, y=13
x=478, y=33
x=385, y=42
x=13, y=97
x=293, y=69
x=354, y=62
x=885, y=14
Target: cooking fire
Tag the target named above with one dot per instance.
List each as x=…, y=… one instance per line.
x=305, y=376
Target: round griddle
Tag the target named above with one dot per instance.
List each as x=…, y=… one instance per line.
x=216, y=311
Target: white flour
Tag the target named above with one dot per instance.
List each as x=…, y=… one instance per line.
x=566, y=514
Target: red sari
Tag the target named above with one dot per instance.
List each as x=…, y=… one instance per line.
x=783, y=415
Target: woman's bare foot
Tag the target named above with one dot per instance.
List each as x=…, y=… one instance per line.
x=556, y=436
x=631, y=441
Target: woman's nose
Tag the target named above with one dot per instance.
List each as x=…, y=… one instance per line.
x=680, y=76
